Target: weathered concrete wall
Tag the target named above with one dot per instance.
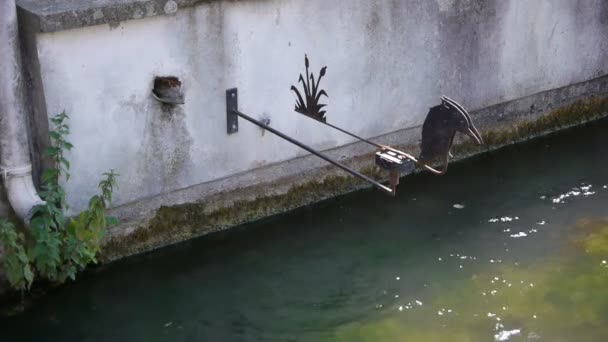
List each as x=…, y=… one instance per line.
x=388, y=62
x=518, y=65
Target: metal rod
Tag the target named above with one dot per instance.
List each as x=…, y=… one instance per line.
x=407, y=155
x=352, y=135
x=316, y=153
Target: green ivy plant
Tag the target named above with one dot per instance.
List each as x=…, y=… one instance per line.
x=16, y=261
x=55, y=247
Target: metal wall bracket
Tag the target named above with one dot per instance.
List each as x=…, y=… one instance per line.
x=232, y=106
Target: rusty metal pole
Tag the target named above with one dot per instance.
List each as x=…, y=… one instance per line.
x=390, y=191
x=15, y=163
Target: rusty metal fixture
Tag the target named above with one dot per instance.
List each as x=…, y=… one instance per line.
x=389, y=160
x=309, y=104
x=438, y=131
x=469, y=128
x=438, y=136
x=395, y=163
x=168, y=90
x=440, y=127
x=394, y=179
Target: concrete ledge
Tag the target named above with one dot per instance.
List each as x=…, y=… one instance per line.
x=57, y=15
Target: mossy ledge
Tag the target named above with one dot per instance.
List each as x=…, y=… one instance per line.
x=177, y=223
x=577, y=113
x=172, y=224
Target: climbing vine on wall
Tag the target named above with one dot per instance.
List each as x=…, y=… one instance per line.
x=56, y=247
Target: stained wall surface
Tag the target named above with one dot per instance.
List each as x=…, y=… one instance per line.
x=388, y=62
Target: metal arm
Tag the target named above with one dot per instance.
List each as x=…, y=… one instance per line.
x=407, y=155
x=231, y=108
x=308, y=104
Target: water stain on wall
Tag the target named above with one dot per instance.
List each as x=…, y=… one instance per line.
x=165, y=161
x=467, y=42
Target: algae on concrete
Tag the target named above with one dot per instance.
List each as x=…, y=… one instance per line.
x=177, y=223
x=577, y=113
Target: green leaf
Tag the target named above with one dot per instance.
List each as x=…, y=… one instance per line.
x=49, y=176
x=65, y=162
x=57, y=248
x=52, y=151
x=16, y=261
x=28, y=275
x=111, y=220
x=22, y=256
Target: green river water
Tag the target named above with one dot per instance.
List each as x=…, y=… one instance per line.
x=509, y=246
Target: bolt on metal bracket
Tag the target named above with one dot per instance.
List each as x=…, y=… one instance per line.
x=232, y=106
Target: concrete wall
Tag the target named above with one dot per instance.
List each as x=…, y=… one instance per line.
x=388, y=61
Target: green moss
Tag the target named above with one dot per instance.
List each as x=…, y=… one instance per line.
x=574, y=114
x=595, y=238
x=374, y=172
x=180, y=222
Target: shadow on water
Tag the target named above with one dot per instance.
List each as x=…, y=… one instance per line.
x=506, y=246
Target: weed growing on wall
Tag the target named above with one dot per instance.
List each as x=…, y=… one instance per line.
x=55, y=247
x=16, y=261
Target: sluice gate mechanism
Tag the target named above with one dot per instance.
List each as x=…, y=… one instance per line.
x=438, y=132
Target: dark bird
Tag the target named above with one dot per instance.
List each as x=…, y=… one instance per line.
x=439, y=128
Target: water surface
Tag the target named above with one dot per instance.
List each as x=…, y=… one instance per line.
x=510, y=246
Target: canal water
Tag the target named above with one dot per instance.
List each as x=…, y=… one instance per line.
x=509, y=246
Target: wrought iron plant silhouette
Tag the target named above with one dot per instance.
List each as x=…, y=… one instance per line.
x=309, y=104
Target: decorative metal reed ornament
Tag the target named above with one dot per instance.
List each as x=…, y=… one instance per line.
x=309, y=104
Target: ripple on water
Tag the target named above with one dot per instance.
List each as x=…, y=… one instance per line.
x=505, y=335
x=553, y=297
x=583, y=190
x=503, y=219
